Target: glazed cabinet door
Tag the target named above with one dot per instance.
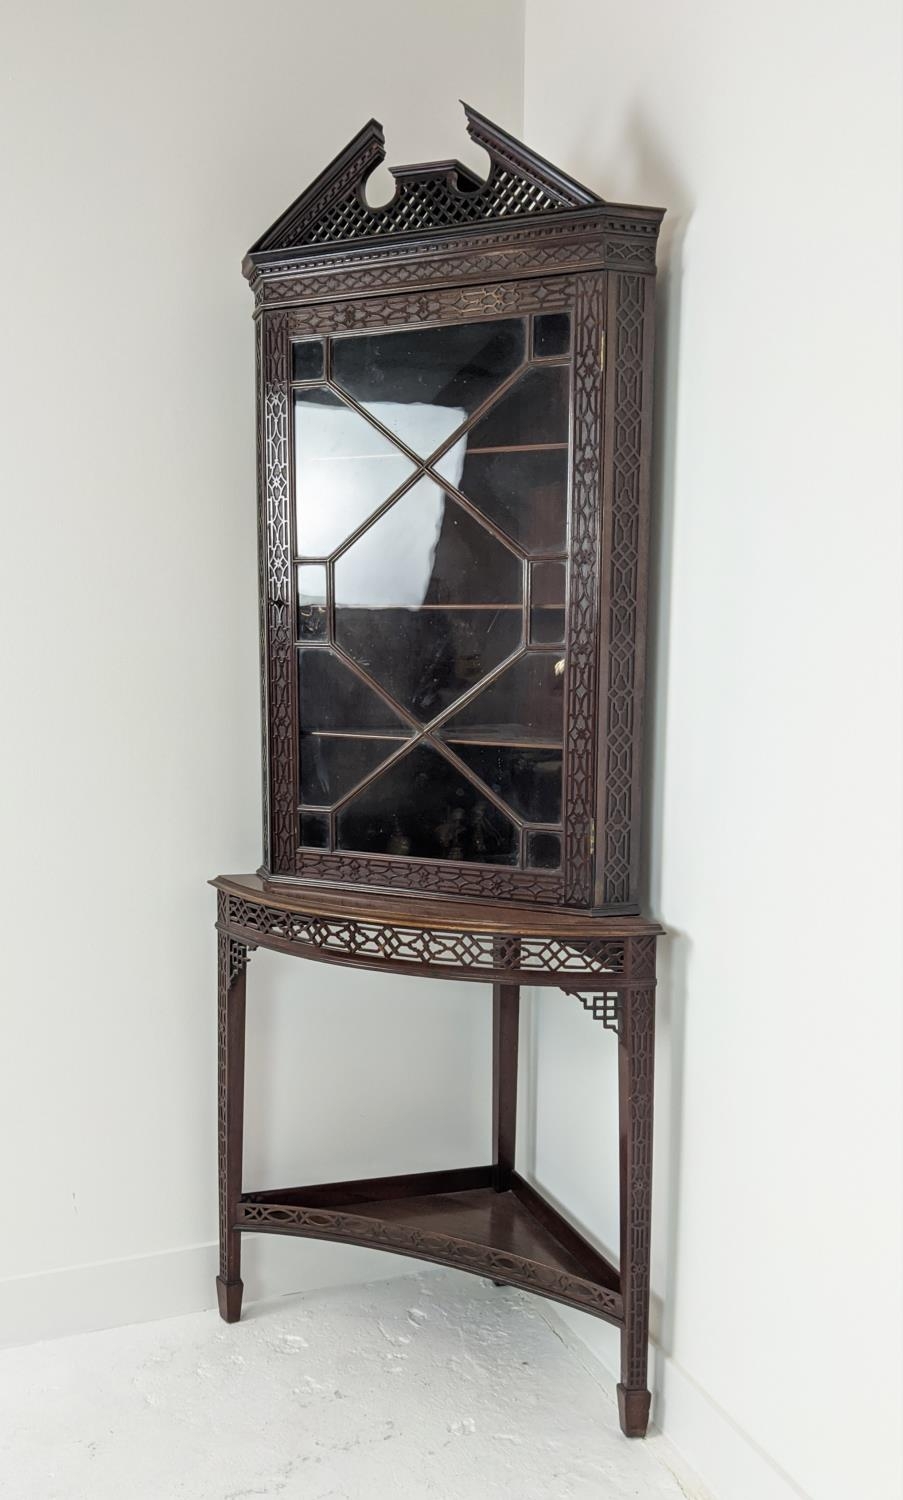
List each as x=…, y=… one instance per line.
x=431, y=533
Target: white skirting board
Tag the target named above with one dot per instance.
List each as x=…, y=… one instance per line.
x=142, y=1288
x=729, y=1463
x=139, y=1289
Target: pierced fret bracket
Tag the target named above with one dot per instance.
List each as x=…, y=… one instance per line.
x=605, y=1008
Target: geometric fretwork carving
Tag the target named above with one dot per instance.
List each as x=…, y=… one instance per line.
x=642, y=958
x=398, y=946
x=583, y=608
x=439, y=195
x=622, y=706
x=605, y=1008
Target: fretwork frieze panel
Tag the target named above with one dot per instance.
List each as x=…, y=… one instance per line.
x=399, y=945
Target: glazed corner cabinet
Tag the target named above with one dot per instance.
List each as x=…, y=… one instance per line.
x=454, y=405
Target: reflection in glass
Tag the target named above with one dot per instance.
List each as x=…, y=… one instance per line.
x=346, y=729
x=524, y=704
x=307, y=360
x=551, y=335
x=525, y=493
x=533, y=410
x=527, y=779
x=547, y=603
x=311, y=602
x=543, y=850
x=423, y=807
x=314, y=830
x=427, y=600
x=333, y=699
x=427, y=658
x=331, y=764
x=344, y=470
x=422, y=383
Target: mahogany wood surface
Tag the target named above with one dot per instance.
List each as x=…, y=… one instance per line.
x=504, y=1234
x=450, y=249
x=366, y=905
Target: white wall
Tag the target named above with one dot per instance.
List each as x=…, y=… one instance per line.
x=146, y=146
x=772, y=135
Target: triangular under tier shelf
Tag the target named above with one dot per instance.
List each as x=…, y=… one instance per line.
x=454, y=1218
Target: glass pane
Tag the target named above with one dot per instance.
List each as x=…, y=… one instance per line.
x=543, y=851
x=551, y=335
x=547, y=606
x=423, y=383
x=314, y=830
x=307, y=360
x=427, y=658
x=533, y=410
x=427, y=600
x=423, y=807
x=344, y=470
x=346, y=730
x=331, y=764
x=528, y=780
x=332, y=697
x=311, y=602
x=524, y=493
x=523, y=705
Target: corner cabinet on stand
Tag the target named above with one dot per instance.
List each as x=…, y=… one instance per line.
x=454, y=402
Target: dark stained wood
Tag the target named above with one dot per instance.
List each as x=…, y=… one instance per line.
x=593, y=1261
x=505, y=1024
x=366, y=1189
x=450, y=248
x=636, y=1067
x=233, y=957
x=528, y=241
x=366, y=905
x=500, y=1235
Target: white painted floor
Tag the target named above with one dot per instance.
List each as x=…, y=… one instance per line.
x=433, y=1385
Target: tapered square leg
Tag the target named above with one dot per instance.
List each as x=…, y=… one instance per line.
x=233, y=959
x=505, y=1029
x=228, y=1296
x=505, y=1034
x=636, y=1059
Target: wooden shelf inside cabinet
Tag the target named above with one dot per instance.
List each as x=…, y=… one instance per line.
x=454, y=416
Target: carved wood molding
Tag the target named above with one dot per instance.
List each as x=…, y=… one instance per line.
x=510, y=254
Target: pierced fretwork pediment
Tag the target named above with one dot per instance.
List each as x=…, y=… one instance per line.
x=435, y=195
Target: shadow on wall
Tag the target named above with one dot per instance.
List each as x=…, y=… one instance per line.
x=656, y=175
x=642, y=160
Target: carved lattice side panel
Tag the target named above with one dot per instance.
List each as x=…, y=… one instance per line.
x=428, y=1245
x=278, y=599
x=628, y=335
x=583, y=606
